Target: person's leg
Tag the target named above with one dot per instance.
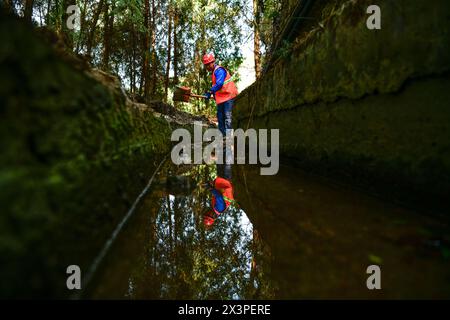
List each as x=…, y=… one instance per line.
x=221, y=118
x=228, y=114
x=227, y=110
x=228, y=136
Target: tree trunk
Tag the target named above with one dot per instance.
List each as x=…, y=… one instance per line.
x=93, y=27
x=47, y=17
x=56, y=13
x=169, y=48
x=145, y=66
x=28, y=12
x=65, y=32
x=154, y=61
x=175, y=48
x=133, y=62
x=82, y=27
x=107, y=34
x=256, y=38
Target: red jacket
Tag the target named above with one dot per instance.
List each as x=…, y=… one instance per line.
x=228, y=90
x=225, y=189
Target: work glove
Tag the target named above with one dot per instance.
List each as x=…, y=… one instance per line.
x=207, y=95
x=208, y=185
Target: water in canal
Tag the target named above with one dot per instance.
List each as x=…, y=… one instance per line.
x=287, y=236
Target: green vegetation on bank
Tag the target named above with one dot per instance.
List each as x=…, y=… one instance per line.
x=74, y=156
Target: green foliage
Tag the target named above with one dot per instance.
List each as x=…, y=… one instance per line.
x=196, y=27
x=284, y=50
x=269, y=21
x=200, y=26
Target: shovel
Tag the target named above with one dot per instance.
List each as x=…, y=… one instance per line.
x=184, y=94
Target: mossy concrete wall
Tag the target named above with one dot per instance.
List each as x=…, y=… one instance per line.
x=74, y=156
x=371, y=105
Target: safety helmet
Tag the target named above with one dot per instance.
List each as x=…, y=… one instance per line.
x=208, y=58
x=209, y=218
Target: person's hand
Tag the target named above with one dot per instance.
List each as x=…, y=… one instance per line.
x=207, y=95
x=207, y=185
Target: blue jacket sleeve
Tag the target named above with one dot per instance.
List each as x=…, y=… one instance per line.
x=220, y=205
x=220, y=74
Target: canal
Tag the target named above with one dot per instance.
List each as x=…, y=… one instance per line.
x=287, y=236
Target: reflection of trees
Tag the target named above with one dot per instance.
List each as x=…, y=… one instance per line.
x=184, y=261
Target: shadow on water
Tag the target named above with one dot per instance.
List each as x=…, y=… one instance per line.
x=289, y=236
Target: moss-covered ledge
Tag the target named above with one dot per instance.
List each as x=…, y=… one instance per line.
x=341, y=58
x=74, y=155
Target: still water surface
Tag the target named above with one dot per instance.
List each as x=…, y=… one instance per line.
x=289, y=236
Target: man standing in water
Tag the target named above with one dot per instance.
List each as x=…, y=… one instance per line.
x=224, y=91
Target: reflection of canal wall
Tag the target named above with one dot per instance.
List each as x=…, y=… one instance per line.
x=75, y=154
x=368, y=105
x=320, y=239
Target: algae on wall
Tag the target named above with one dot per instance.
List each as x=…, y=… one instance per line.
x=73, y=158
x=341, y=58
x=371, y=104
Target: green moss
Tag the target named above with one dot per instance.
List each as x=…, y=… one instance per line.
x=371, y=105
x=394, y=144
x=73, y=158
x=343, y=59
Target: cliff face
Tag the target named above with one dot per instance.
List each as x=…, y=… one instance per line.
x=75, y=154
x=370, y=105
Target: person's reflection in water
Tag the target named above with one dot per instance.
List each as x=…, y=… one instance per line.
x=222, y=191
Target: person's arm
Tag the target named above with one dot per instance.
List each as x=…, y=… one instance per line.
x=220, y=74
x=218, y=202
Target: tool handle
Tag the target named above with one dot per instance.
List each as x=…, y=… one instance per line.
x=197, y=96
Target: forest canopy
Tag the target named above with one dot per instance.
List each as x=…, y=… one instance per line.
x=154, y=45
